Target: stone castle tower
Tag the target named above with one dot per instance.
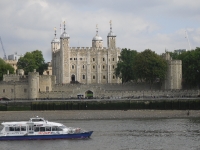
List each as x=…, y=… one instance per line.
x=173, y=78
x=88, y=65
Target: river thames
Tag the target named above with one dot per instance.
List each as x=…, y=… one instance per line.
x=123, y=134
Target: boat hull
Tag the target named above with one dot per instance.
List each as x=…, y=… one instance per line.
x=48, y=137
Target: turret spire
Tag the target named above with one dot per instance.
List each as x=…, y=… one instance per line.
x=64, y=25
x=97, y=30
x=55, y=32
x=110, y=25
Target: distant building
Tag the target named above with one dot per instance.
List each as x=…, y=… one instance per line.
x=12, y=60
x=14, y=56
x=179, y=51
x=49, y=69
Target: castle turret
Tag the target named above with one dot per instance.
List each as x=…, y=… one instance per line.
x=64, y=58
x=33, y=82
x=173, y=79
x=55, y=46
x=97, y=41
x=111, y=38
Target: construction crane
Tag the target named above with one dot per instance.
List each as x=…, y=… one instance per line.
x=186, y=36
x=5, y=57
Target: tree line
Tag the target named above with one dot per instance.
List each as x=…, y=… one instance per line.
x=29, y=62
x=146, y=66
x=149, y=67
x=190, y=66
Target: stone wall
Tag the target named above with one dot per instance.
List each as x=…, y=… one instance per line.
x=14, y=90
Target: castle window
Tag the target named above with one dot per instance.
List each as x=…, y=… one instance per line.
x=47, y=88
x=113, y=66
x=80, y=58
x=93, y=59
x=25, y=90
x=72, y=66
x=103, y=59
x=70, y=58
x=104, y=77
x=4, y=90
x=93, y=67
x=113, y=77
x=93, y=77
x=113, y=59
x=83, y=67
x=83, y=76
x=12, y=90
x=103, y=66
x=74, y=58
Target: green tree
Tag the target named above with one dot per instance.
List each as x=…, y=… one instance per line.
x=4, y=67
x=149, y=66
x=124, y=69
x=32, y=60
x=191, y=67
x=174, y=55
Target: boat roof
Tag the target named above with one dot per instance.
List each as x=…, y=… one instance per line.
x=35, y=120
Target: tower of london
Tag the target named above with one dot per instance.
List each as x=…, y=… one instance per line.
x=87, y=65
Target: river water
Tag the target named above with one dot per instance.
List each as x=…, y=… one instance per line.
x=134, y=134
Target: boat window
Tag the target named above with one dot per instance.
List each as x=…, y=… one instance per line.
x=23, y=128
x=54, y=128
x=36, y=129
x=17, y=128
x=11, y=129
x=42, y=128
x=37, y=120
x=48, y=128
x=30, y=127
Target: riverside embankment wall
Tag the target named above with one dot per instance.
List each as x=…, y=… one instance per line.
x=161, y=104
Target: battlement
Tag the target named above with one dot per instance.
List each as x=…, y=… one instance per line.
x=175, y=62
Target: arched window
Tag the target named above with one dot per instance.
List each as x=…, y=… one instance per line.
x=72, y=66
x=83, y=76
x=93, y=67
x=103, y=66
x=93, y=77
x=104, y=77
x=113, y=59
x=113, y=66
x=103, y=59
x=113, y=77
x=83, y=67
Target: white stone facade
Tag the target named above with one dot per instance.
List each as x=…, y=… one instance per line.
x=87, y=65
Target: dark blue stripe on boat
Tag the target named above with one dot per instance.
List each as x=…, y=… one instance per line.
x=48, y=137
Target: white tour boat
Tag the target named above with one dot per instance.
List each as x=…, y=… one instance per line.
x=40, y=129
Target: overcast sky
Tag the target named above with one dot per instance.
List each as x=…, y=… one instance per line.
x=27, y=25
